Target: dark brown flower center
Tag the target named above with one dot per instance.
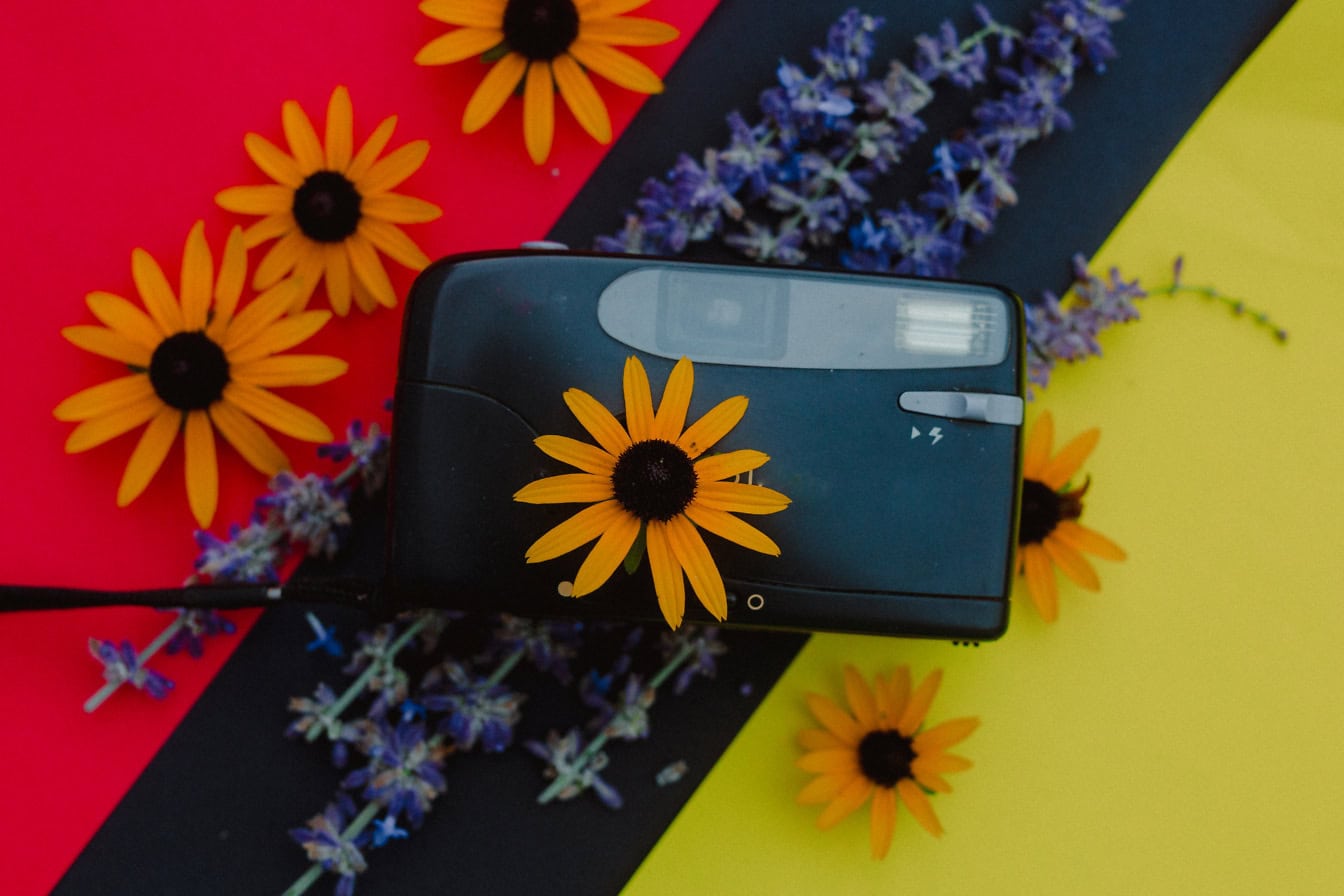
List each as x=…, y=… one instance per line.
x=189, y=371
x=326, y=206
x=1043, y=509
x=654, y=480
x=540, y=29
x=885, y=757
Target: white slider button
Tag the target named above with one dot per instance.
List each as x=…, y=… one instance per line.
x=986, y=407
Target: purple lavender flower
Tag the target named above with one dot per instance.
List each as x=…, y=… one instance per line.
x=548, y=645
x=197, y=625
x=309, y=510
x=369, y=451
x=849, y=46
x=325, y=843
x=478, y=709
x=1059, y=332
x=121, y=665
x=945, y=56
x=628, y=717
x=385, y=829
x=898, y=99
x=317, y=712
x=325, y=637
x=249, y=555
x=750, y=158
x=387, y=681
x=565, y=761
x=405, y=771
x=704, y=645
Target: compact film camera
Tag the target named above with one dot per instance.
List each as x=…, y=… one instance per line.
x=891, y=409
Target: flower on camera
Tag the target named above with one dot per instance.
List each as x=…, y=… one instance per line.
x=332, y=208
x=651, y=475
x=879, y=749
x=1049, y=534
x=197, y=364
x=547, y=46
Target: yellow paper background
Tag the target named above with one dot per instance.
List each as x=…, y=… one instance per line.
x=1181, y=731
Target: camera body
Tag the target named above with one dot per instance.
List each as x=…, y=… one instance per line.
x=891, y=409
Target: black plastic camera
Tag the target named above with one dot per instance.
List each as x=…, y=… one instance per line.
x=891, y=409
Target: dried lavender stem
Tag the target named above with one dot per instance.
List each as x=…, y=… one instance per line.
x=154, y=647
x=357, y=824
x=600, y=740
x=357, y=686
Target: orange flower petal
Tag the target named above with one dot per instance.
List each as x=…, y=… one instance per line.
x=668, y=582
x=918, y=803
x=638, y=401
x=605, y=429
x=714, y=467
x=690, y=550
x=836, y=720
x=944, y=735
x=738, y=497
x=918, y=705
x=849, y=799
x=1069, y=459
x=579, y=94
x=538, y=110
x=149, y=454
x=1036, y=452
x=1071, y=563
x=588, y=458
x=823, y=789
x=702, y=435
x=567, y=488
x=202, y=469
x=725, y=525
x=581, y=528
x=1040, y=576
x=671, y=416
x=1081, y=538
x=611, y=549
x=860, y=697
x=882, y=821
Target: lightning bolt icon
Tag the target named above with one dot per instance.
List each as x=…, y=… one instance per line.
x=936, y=434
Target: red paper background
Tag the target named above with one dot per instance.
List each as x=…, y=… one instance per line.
x=122, y=122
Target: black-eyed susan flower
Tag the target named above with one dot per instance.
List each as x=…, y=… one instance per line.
x=331, y=209
x=547, y=46
x=198, y=364
x=652, y=475
x=1049, y=534
x=878, y=750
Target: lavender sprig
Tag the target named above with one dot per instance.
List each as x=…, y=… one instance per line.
x=309, y=511
x=122, y=665
x=573, y=770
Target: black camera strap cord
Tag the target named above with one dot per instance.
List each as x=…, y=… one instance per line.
x=346, y=591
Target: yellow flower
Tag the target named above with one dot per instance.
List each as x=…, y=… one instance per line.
x=877, y=749
x=198, y=364
x=1049, y=534
x=645, y=475
x=546, y=45
x=332, y=208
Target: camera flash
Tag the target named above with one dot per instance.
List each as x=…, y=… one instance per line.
x=941, y=326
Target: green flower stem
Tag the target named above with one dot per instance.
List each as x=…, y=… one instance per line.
x=357, y=686
x=1237, y=306
x=143, y=657
x=352, y=830
x=600, y=740
x=505, y=667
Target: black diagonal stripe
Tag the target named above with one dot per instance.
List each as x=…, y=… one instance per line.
x=210, y=813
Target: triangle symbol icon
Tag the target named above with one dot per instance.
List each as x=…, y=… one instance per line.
x=915, y=433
